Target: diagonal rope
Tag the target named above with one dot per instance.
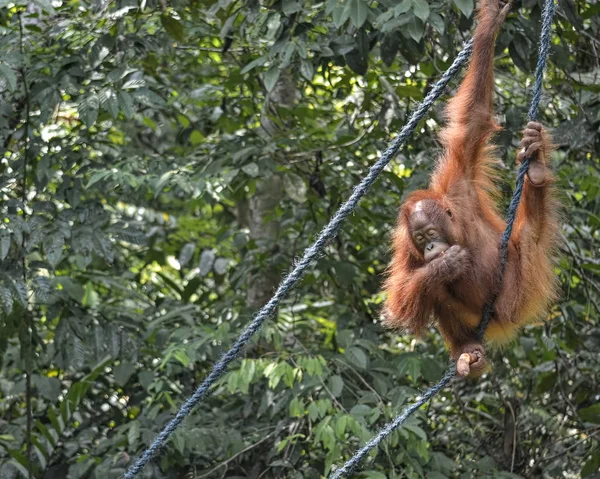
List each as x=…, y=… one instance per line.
x=395, y=424
x=547, y=16
x=310, y=254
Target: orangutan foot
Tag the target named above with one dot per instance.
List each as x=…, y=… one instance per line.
x=471, y=362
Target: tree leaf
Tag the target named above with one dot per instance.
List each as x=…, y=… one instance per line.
x=207, y=258
x=375, y=475
x=437, y=22
x=591, y=413
x=173, y=27
x=109, y=102
x=465, y=6
x=146, y=378
x=99, y=51
x=411, y=365
x=228, y=26
x=75, y=352
x=357, y=357
x=295, y=187
x=516, y=57
x=114, y=341
x=186, y=253
x=313, y=411
x=340, y=427
x=416, y=28
x=296, y=407
x=592, y=466
x=345, y=271
x=291, y=6
x=133, y=433
x=421, y=9
x=395, y=23
x=7, y=299
x=53, y=247
x=358, y=58
x=436, y=475
x=5, y=240
x=403, y=7
x=149, y=98
x=98, y=176
x=42, y=288
x=361, y=410
x=19, y=291
x=123, y=372
x=359, y=12
x=126, y=104
x=99, y=339
x=179, y=443
x=196, y=138
x=271, y=77
x=103, y=247
x=336, y=385
x=307, y=70
x=88, y=109
x=417, y=431
x=90, y=296
x=48, y=387
x=257, y=62
x=72, y=287
x=251, y=169
x=290, y=48
x=221, y=265
x=134, y=84
x=8, y=73
x=341, y=13
x=388, y=48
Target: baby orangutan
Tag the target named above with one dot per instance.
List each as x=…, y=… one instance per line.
x=445, y=247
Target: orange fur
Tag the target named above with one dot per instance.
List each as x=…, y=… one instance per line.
x=463, y=182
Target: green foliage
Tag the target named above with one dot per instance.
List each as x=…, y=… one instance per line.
x=166, y=162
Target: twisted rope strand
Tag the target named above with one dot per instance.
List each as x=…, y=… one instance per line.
x=310, y=254
x=547, y=16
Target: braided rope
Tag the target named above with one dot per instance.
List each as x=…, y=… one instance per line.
x=310, y=254
x=547, y=16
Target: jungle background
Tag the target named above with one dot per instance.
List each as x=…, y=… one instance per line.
x=163, y=165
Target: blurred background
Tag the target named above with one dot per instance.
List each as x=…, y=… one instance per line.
x=164, y=164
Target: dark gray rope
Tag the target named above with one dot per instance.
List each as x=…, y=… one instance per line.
x=395, y=424
x=488, y=312
x=536, y=96
x=310, y=254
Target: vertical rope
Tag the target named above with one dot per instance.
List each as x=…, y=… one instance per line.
x=536, y=96
x=310, y=254
x=544, y=46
